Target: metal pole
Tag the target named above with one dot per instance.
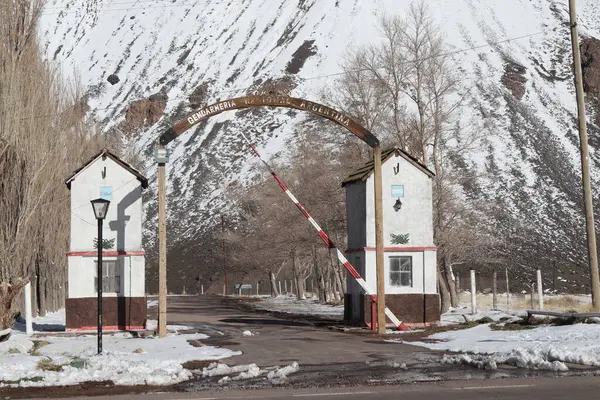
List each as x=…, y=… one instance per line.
x=223, y=245
x=585, y=161
x=473, y=292
x=379, y=241
x=99, y=272
x=540, y=291
x=201, y=289
x=162, y=252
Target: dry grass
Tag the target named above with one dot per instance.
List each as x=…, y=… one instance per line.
x=564, y=303
x=48, y=365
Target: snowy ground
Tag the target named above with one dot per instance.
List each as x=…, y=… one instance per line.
x=289, y=304
x=544, y=347
x=61, y=360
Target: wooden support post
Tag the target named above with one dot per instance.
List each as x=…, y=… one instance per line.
x=540, y=290
x=162, y=250
x=585, y=160
x=379, y=264
x=532, y=291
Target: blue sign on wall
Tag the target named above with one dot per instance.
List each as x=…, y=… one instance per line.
x=397, y=190
x=106, y=193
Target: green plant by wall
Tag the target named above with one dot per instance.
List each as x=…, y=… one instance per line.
x=402, y=238
x=106, y=243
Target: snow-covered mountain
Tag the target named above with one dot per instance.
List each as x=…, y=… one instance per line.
x=172, y=56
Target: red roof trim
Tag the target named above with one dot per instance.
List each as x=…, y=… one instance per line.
x=112, y=156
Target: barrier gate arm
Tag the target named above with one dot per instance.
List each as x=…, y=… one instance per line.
x=330, y=245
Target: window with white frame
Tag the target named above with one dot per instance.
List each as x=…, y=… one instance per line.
x=111, y=279
x=401, y=271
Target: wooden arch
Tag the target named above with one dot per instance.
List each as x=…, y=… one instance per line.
x=269, y=101
x=239, y=103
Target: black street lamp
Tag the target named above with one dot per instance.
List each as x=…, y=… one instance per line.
x=100, y=207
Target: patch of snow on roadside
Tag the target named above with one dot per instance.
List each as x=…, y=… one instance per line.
x=159, y=363
x=281, y=374
x=545, y=347
x=152, y=324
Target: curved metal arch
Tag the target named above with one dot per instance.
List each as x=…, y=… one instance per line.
x=238, y=103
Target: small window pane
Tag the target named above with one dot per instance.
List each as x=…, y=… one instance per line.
x=401, y=271
x=111, y=281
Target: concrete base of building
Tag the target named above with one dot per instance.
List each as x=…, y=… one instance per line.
x=415, y=309
x=118, y=313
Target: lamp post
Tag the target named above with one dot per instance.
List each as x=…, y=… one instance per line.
x=161, y=156
x=100, y=207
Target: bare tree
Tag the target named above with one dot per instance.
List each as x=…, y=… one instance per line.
x=406, y=85
x=43, y=137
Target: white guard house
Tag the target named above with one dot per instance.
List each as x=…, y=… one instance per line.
x=409, y=252
x=123, y=280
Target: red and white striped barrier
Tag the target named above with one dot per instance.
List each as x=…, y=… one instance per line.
x=330, y=245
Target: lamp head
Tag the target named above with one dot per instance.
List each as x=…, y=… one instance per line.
x=100, y=207
x=398, y=205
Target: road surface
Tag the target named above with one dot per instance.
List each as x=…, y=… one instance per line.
x=572, y=388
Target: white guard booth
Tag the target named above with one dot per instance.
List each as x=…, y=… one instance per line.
x=409, y=251
x=123, y=281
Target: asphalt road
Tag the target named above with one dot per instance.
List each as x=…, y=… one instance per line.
x=572, y=388
x=278, y=341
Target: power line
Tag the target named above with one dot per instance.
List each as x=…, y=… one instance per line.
x=451, y=53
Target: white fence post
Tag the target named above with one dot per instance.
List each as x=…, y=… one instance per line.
x=507, y=292
x=540, y=291
x=28, y=317
x=201, y=289
x=473, y=293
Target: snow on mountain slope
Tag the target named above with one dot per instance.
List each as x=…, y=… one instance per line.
x=231, y=47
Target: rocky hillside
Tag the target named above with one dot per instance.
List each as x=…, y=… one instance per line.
x=144, y=64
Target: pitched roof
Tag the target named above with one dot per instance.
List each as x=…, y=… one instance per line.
x=112, y=156
x=363, y=173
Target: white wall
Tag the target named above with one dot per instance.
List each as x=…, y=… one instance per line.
x=82, y=271
x=416, y=215
x=124, y=220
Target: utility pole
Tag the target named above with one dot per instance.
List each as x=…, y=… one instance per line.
x=585, y=160
x=379, y=241
x=162, y=157
x=223, y=245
